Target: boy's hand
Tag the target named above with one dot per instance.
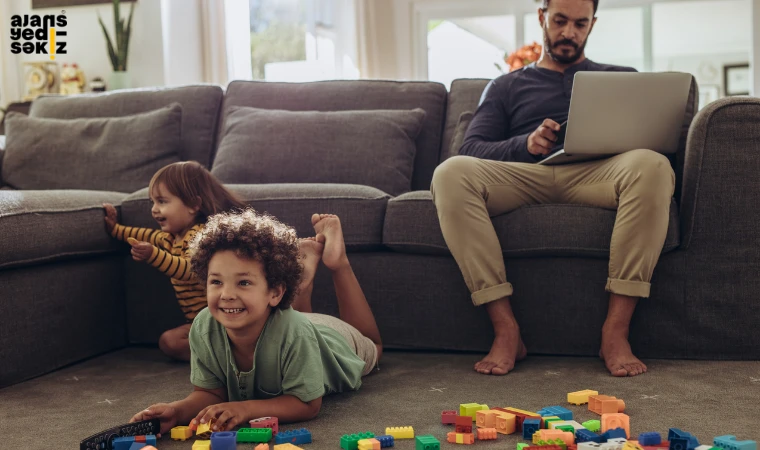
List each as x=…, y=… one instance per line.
x=111, y=217
x=226, y=415
x=164, y=412
x=140, y=250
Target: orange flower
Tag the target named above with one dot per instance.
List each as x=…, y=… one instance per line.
x=523, y=56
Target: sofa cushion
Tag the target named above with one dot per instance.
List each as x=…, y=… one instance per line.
x=372, y=148
x=361, y=208
x=200, y=111
x=411, y=226
x=41, y=226
x=108, y=154
x=350, y=95
x=464, y=96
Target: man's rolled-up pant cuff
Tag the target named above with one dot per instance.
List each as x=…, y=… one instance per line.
x=629, y=288
x=488, y=295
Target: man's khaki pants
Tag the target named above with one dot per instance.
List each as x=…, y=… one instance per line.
x=468, y=191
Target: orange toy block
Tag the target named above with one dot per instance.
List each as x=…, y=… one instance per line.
x=368, y=444
x=506, y=423
x=605, y=404
x=567, y=437
x=261, y=447
x=486, y=418
x=616, y=420
x=486, y=434
x=460, y=438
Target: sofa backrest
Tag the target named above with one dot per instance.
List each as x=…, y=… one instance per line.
x=348, y=95
x=200, y=111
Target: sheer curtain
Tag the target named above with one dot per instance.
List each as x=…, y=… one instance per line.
x=226, y=40
x=375, y=39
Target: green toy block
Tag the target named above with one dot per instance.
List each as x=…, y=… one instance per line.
x=549, y=420
x=592, y=425
x=470, y=409
x=351, y=441
x=427, y=442
x=254, y=435
x=522, y=445
x=569, y=428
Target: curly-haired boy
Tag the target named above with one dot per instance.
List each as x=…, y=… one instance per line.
x=258, y=350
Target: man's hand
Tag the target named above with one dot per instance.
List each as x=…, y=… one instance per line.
x=111, y=217
x=541, y=141
x=141, y=251
x=164, y=412
x=226, y=415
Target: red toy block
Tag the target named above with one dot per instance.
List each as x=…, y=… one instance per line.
x=486, y=433
x=266, y=422
x=449, y=417
x=463, y=424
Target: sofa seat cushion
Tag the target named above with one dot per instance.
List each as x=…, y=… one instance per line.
x=361, y=208
x=41, y=226
x=411, y=226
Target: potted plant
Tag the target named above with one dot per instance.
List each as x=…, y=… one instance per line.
x=119, y=53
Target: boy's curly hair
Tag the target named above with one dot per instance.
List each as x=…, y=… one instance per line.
x=251, y=235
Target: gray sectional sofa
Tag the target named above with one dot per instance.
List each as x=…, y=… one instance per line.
x=69, y=292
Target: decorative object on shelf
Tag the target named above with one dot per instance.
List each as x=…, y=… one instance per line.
x=97, y=85
x=119, y=54
x=40, y=78
x=736, y=79
x=526, y=55
x=72, y=79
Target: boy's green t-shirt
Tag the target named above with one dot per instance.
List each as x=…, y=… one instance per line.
x=292, y=357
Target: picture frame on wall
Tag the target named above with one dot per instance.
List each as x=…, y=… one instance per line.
x=736, y=79
x=38, y=4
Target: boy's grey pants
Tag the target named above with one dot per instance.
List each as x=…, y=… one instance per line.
x=468, y=191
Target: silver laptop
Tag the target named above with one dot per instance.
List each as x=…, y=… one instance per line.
x=614, y=112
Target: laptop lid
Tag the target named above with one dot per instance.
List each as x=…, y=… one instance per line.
x=613, y=112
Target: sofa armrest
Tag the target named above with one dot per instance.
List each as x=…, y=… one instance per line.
x=2, y=153
x=721, y=179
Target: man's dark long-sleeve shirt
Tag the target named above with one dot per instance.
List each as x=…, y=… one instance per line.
x=515, y=104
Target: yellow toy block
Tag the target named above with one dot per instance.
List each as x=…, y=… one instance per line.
x=204, y=430
x=580, y=397
x=632, y=445
x=286, y=446
x=400, y=432
x=616, y=420
x=261, y=447
x=522, y=411
x=202, y=445
x=181, y=433
x=369, y=444
x=471, y=409
x=506, y=423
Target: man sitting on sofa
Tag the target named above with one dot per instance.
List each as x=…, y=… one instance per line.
x=513, y=128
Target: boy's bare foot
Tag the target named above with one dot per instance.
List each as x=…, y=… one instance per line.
x=617, y=355
x=310, y=252
x=328, y=226
x=507, y=348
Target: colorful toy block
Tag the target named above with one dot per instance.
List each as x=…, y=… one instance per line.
x=545, y=435
x=202, y=445
x=261, y=447
x=401, y=432
x=254, y=435
x=286, y=446
x=506, y=423
x=632, y=445
x=616, y=420
x=351, y=441
x=613, y=444
x=614, y=434
x=547, y=420
x=681, y=440
x=460, y=438
x=604, y=404
x=729, y=442
x=204, y=429
x=650, y=438
x=126, y=442
x=223, y=440
x=385, y=441
x=522, y=445
x=300, y=436
x=530, y=426
x=427, y=442
x=369, y=444
x=558, y=411
x=448, y=417
x=181, y=433
x=580, y=397
x=266, y=422
x=589, y=445
x=520, y=416
x=463, y=424
x=585, y=435
x=469, y=409
x=486, y=434
x=486, y=418
x=593, y=425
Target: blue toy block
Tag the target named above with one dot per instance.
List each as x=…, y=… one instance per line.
x=676, y=433
x=679, y=443
x=224, y=440
x=127, y=442
x=529, y=427
x=385, y=441
x=650, y=438
x=728, y=442
x=614, y=433
x=585, y=435
x=559, y=411
x=137, y=445
x=295, y=437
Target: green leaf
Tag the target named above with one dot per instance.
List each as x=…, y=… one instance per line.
x=128, y=34
x=111, y=52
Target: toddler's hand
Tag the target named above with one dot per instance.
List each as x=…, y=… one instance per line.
x=111, y=217
x=140, y=250
x=226, y=415
x=161, y=411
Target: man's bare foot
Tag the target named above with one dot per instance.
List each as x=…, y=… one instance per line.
x=328, y=227
x=617, y=355
x=310, y=252
x=507, y=348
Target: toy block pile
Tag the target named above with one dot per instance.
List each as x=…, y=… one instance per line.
x=553, y=428
x=368, y=441
x=260, y=432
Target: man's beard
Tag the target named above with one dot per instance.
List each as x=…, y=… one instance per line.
x=559, y=57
